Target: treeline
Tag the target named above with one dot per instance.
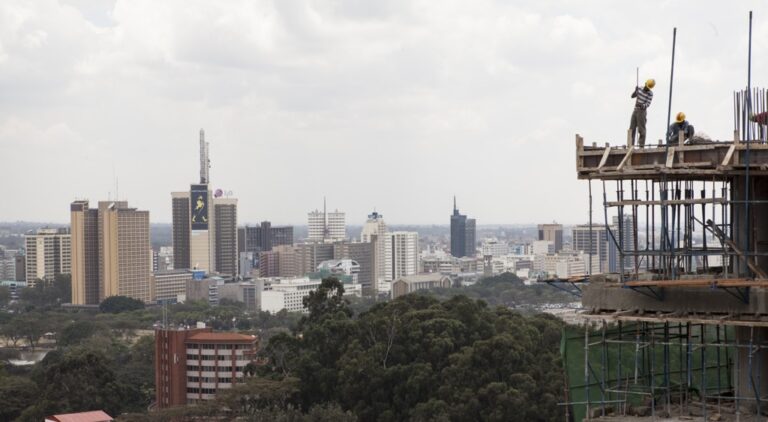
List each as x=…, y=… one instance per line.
x=414, y=358
x=506, y=290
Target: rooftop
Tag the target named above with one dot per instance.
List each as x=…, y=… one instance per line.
x=93, y=416
x=222, y=337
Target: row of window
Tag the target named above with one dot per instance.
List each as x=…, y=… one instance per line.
x=225, y=380
x=201, y=390
x=213, y=368
x=206, y=346
x=209, y=357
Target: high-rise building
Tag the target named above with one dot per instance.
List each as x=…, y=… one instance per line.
x=405, y=253
x=263, y=238
x=326, y=226
x=365, y=254
x=181, y=230
x=375, y=226
x=463, y=231
x=596, y=250
x=203, y=239
x=192, y=365
x=226, y=235
x=48, y=253
x=552, y=232
x=111, y=253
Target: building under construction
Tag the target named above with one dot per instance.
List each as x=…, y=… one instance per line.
x=681, y=330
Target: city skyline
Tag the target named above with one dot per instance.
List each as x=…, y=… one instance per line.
x=427, y=87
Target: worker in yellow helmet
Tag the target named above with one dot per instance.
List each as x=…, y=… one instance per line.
x=644, y=97
x=680, y=125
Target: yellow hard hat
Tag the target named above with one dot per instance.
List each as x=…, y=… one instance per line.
x=680, y=117
x=650, y=83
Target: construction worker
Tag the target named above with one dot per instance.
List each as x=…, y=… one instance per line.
x=644, y=96
x=762, y=121
x=675, y=128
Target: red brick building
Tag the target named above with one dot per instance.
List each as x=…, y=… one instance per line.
x=192, y=365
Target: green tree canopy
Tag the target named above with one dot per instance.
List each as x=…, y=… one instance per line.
x=118, y=304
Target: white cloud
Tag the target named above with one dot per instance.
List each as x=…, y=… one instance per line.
x=397, y=105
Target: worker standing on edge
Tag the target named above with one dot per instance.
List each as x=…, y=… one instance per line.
x=644, y=97
x=675, y=128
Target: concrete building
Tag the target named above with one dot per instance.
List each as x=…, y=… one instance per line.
x=463, y=232
x=553, y=233
x=111, y=252
x=493, y=247
x=264, y=237
x=365, y=254
x=48, y=253
x=375, y=226
x=598, y=247
x=171, y=285
x=310, y=255
x=287, y=293
x=404, y=285
x=560, y=265
x=20, y=265
x=14, y=287
x=204, y=225
x=225, y=218
x=192, y=365
x=204, y=288
x=543, y=247
x=405, y=253
x=340, y=267
x=326, y=226
x=246, y=292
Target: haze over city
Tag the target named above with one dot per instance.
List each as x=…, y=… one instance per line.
x=395, y=106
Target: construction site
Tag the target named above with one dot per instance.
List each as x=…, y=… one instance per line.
x=680, y=331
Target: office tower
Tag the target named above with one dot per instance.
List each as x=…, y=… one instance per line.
x=365, y=254
x=463, y=232
x=181, y=230
x=48, y=253
x=264, y=237
x=192, y=365
x=226, y=235
x=552, y=232
x=84, y=229
x=310, y=255
x=598, y=248
x=20, y=261
x=198, y=232
x=375, y=226
x=111, y=252
x=405, y=253
x=171, y=285
x=624, y=233
x=326, y=226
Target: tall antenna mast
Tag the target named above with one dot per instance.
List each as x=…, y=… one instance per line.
x=205, y=163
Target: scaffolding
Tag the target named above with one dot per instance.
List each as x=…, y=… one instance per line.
x=682, y=216
x=624, y=366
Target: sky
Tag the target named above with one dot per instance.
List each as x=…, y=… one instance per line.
x=388, y=105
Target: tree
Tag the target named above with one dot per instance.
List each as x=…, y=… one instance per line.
x=13, y=331
x=16, y=394
x=118, y=304
x=76, y=332
x=5, y=296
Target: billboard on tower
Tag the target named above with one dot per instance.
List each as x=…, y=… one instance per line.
x=199, y=207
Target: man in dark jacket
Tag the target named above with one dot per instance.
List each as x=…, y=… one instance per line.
x=675, y=128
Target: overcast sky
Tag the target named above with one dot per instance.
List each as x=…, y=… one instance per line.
x=393, y=105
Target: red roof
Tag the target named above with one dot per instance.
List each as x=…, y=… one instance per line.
x=222, y=337
x=94, y=416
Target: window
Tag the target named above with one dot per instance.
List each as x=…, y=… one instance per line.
x=193, y=368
